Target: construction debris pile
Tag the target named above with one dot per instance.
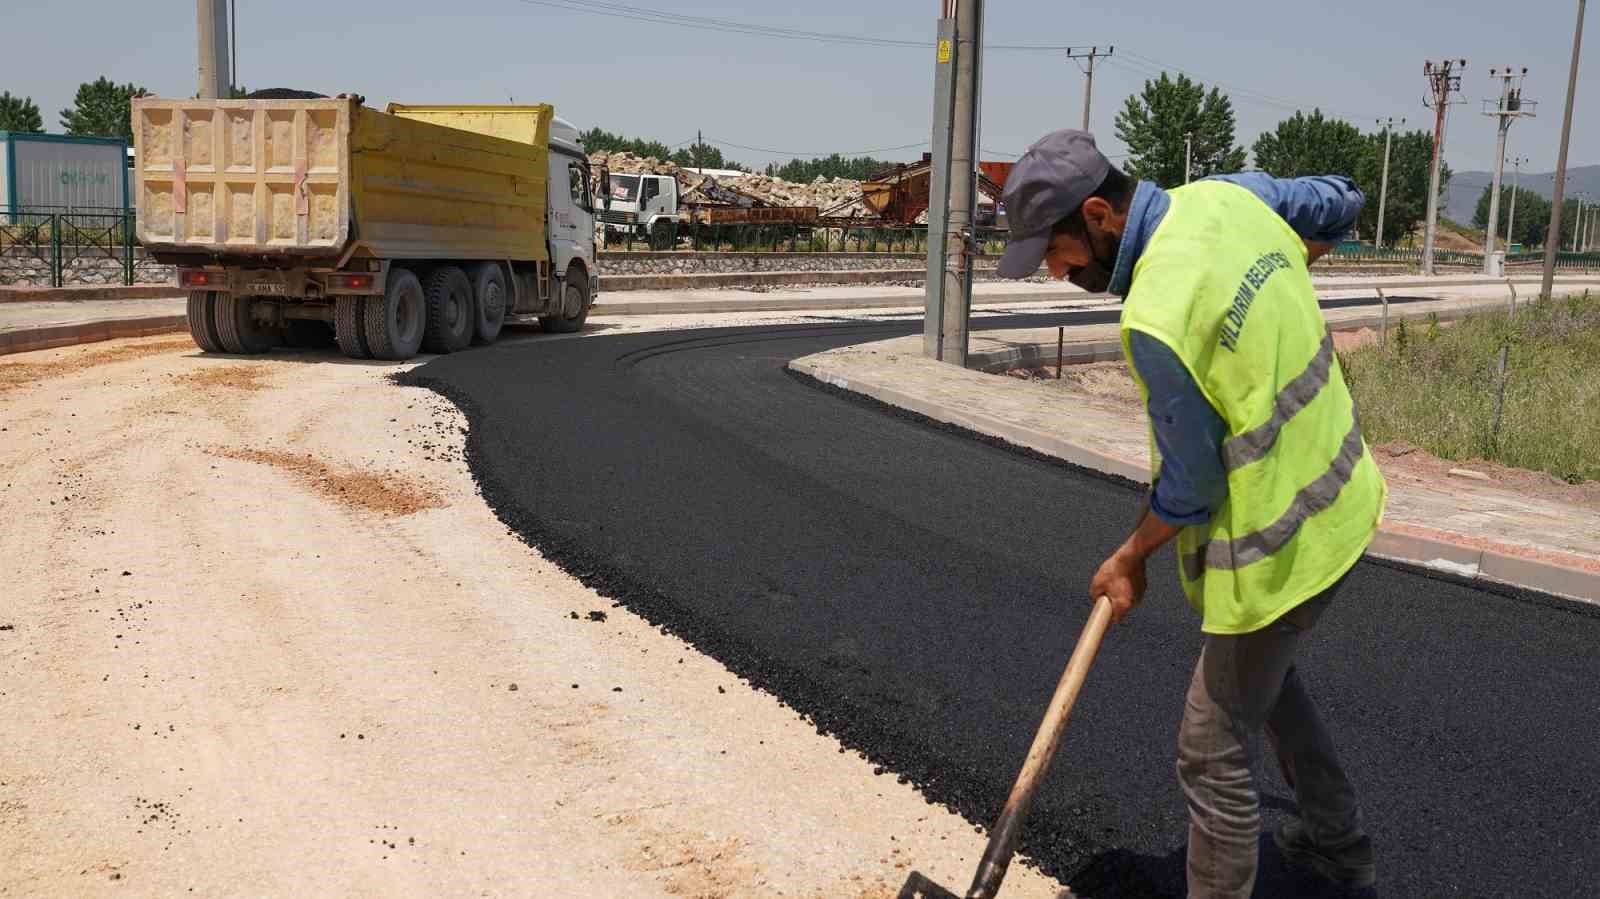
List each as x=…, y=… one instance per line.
x=836, y=197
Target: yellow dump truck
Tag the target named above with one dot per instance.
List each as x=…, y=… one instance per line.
x=420, y=228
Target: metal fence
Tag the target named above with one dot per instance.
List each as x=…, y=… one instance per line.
x=63, y=245
x=741, y=237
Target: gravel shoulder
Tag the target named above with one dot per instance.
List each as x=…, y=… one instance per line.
x=264, y=638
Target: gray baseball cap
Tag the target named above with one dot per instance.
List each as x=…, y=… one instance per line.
x=1046, y=185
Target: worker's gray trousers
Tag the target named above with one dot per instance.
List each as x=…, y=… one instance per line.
x=1242, y=685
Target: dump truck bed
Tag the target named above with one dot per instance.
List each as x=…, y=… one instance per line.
x=308, y=178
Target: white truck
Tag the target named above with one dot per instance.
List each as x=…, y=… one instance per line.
x=418, y=228
x=642, y=204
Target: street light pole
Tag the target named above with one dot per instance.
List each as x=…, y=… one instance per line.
x=1383, y=190
x=1554, y=244
x=1188, y=152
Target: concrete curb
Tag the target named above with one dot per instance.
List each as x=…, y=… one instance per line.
x=1395, y=542
x=70, y=294
x=52, y=336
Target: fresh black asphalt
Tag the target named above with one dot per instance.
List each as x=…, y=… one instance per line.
x=915, y=591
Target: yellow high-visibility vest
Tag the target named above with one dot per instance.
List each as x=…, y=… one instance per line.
x=1223, y=283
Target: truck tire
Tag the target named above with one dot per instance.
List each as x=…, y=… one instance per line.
x=394, y=323
x=489, y=301
x=349, y=326
x=237, y=328
x=202, y=315
x=575, y=304
x=450, y=311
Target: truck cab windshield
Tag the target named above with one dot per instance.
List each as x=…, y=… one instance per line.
x=625, y=188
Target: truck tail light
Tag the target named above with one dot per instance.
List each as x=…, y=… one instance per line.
x=349, y=282
x=191, y=278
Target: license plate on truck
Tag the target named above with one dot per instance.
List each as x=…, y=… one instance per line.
x=267, y=288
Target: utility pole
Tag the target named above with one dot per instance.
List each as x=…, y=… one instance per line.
x=699, y=142
x=1506, y=110
x=953, y=181
x=1383, y=189
x=1088, y=73
x=1188, y=153
x=233, y=47
x=210, y=31
x=1443, y=80
x=1511, y=218
x=1553, y=244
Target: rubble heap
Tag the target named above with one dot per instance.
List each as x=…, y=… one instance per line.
x=841, y=195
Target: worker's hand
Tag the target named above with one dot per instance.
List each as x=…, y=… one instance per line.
x=1120, y=579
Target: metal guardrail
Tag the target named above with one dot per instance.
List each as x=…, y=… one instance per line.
x=59, y=238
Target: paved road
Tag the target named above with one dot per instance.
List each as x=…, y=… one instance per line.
x=916, y=591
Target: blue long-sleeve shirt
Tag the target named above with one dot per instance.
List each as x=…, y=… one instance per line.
x=1188, y=430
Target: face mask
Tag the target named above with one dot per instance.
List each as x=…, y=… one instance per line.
x=1096, y=276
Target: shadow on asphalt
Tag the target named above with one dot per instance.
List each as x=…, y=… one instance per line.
x=1126, y=874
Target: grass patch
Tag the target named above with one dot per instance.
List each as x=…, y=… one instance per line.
x=1434, y=387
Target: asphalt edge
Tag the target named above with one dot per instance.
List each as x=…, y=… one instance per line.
x=1423, y=554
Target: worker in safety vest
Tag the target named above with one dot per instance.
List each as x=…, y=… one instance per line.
x=1258, y=465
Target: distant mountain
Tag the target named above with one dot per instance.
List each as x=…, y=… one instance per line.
x=1461, y=200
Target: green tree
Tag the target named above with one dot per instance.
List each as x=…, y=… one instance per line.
x=1153, y=123
x=858, y=168
x=1533, y=216
x=1311, y=145
x=102, y=107
x=704, y=156
x=1409, y=159
x=20, y=114
x=600, y=140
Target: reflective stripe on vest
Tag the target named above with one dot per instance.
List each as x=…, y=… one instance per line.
x=1312, y=498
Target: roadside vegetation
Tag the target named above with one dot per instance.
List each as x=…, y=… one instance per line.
x=1435, y=387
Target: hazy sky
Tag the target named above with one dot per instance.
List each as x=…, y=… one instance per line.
x=1361, y=59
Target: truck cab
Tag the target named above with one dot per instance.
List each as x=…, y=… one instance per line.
x=641, y=204
x=570, y=207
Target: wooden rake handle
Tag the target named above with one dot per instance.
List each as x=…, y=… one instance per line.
x=1003, y=838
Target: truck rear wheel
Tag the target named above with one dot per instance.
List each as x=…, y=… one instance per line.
x=237, y=328
x=349, y=327
x=394, y=323
x=489, y=302
x=202, y=314
x=451, y=321
x=574, y=307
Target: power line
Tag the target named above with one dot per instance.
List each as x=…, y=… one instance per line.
x=728, y=26
x=1146, y=65
x=728, y=143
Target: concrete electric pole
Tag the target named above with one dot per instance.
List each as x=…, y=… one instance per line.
x=212, y=25
x=1383, y=188
x=1443, y=80
x=1517, y=162
x=1505, y=110
x=1188, y=154
x=952, y=190
x=1088, y=74
x=1553, y=243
